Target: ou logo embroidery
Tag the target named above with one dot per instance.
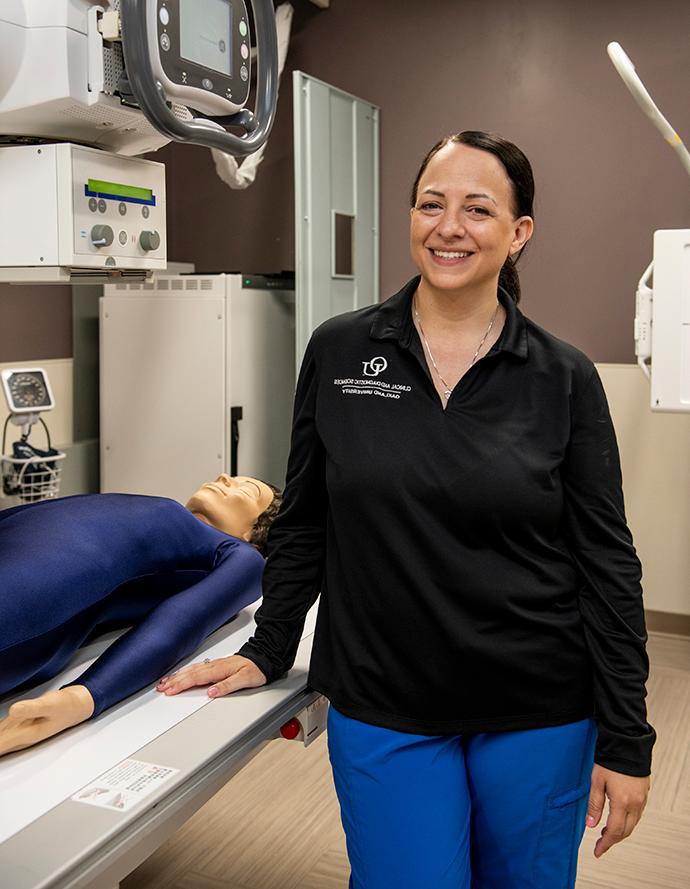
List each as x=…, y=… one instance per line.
x=374, y=366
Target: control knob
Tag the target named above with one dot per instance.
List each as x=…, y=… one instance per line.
x=149, y=240
x=101, y=236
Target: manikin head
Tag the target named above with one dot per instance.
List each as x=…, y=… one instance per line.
x=238, y=505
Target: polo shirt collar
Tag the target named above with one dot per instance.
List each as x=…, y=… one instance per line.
x=393, y=321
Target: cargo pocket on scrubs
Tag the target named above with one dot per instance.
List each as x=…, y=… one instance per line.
x=559, y=841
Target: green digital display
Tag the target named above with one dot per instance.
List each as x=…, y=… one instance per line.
x=100, y=188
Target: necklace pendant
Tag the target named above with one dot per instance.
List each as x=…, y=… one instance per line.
x=447, y=393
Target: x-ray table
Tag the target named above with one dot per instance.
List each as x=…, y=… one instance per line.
x=51, y=838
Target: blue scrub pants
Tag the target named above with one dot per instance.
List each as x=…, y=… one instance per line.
x=502, y=810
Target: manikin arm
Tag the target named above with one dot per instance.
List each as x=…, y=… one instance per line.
x=175, y=628
x=169, y=633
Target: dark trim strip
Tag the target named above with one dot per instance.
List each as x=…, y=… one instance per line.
x=667, y=622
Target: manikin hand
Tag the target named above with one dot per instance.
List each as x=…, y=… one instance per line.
x=224, y=675
x=31, y=721
x=627, y=798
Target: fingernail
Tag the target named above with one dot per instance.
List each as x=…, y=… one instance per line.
x=213, y=692
x=163, y=680
x=589, y=821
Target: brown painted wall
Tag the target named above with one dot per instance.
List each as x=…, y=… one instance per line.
x=538, y=73
x=35, y=322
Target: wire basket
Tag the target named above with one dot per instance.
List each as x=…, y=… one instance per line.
x=33, y=478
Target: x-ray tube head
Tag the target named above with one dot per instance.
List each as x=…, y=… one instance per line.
x=198, y=53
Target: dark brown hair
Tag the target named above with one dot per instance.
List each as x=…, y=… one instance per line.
x=259, y=534
x=519, y=172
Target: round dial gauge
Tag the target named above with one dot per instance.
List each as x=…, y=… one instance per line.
x=28, y=390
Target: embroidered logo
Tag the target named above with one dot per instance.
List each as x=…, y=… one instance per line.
x=368, y=386
x=375, y=366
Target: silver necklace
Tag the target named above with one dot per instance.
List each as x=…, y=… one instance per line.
x=447, y=390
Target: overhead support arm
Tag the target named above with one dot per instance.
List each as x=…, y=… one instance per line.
x=150, y=95
x=626, y=69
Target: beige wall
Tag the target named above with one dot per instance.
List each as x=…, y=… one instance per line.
x=655, y=458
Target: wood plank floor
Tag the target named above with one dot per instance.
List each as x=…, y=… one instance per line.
x=276, y=825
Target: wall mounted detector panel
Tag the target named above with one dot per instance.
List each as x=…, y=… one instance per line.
x=671, y=321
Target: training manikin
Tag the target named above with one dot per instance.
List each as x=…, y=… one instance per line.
x=76, y=566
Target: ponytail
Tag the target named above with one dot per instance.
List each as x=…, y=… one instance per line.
x=509, y=279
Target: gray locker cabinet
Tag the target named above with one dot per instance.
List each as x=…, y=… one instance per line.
x=336, y=203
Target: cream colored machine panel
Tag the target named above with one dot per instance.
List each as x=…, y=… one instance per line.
x=197, y=378
x=70, y=207
x=162, y=385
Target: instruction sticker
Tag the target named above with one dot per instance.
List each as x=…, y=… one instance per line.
x=125, y=785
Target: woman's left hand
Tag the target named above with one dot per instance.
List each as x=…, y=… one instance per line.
x=627, y=798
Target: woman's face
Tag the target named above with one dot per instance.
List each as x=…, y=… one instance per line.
x=231, y=503
x=462, y=225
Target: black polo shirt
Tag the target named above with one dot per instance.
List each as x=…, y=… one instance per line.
x=475, y=566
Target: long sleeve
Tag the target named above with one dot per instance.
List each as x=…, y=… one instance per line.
x=296, y=542
x=611, y=595
x=175, y=627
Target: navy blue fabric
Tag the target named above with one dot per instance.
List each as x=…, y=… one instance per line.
x=75, y=566
x=501, y=810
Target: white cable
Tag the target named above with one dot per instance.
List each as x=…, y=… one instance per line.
x=230, y=171
x=626, y=69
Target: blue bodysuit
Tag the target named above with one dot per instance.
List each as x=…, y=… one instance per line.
x=77, y=566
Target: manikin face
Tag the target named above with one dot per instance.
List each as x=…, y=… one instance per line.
x=231, y=504
x=462, y=225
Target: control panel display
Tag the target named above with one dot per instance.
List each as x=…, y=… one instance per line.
x=98, y=188
x=205, y=33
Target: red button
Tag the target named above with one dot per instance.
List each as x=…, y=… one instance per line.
x=291, y=729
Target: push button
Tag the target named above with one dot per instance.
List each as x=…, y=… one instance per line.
x=165, y=42
x=102, y=206
x=122, y=237
x=164, y=16
x=244, y=72
x=122, y=207
x=93, y=205
x=244, y=50
x=207, y=83
x=243, y=29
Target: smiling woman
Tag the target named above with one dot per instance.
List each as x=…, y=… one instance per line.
x=481, y=632
x=512, y=193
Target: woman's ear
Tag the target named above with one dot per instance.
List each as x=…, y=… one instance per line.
x=524, y=226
